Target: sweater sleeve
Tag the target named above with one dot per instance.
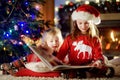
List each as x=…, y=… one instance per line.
x=97, y=49
x=63, y=49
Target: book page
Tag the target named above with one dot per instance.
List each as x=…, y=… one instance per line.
x=49, y=60
x=52, y=62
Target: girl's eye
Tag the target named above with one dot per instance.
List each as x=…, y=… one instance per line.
x=80, y=23
x=51, y=41
x=86, y=22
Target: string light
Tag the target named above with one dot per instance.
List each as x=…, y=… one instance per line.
x=56, y=20
x=117, y=0
x=97, y=1
x=15, y=27
x=20, y=43
x=67, y=2
x=37, y=7
x=10, y=31
x=86, y=2
x=27, y=31
x=4, y=48
x=56, y=9
x=77, y=0
x=7, y=35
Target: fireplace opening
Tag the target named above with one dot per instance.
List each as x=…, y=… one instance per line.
x=110, y=38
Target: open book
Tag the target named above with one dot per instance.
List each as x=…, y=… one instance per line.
x=51, y=61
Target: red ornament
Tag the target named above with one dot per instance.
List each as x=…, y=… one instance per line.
x=71, y=3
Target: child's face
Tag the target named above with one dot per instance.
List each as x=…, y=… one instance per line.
x=53, y=42
x=83, y=25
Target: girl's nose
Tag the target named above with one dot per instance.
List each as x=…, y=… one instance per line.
x=54, y=42
x=83, y=25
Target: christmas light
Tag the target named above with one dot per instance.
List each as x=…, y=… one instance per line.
x=7, y=35
x=15, y=27
x=56, y=20
x=37, y=7
x=10, y=31
x=86, y=2
x=56, y=9
x=67, y=2
x=19, y=17
x=77, y=0
x=26, y=3
x=117, y=0
x=4, y=48
x=97, y=1
x=27, y=31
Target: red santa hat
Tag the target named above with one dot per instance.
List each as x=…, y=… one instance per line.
x=87, y=12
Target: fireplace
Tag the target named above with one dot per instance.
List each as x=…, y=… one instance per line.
x=110, y=38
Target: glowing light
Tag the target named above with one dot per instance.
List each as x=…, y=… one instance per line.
x=97, y=1
x=67, y=2
x=27, y=31
x=37, y=7
x=117, y=0
x=4, y=48
x=26, y=3
x=70, y=9
x=108, y=46
x=56, y=20
x=87, y=2
x=9, y=1
x=21, y=24
x=116, y=39
x=77, y=0
x=15, y=27
x=115, y=57
x=7, y=35
x=10, y=31
x=20, y=43
x=112, y=36
x=56, y=9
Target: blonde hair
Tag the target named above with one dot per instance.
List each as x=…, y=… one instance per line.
x=54, y=31
x=92, y=31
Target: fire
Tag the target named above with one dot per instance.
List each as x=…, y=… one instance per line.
x=112, y=36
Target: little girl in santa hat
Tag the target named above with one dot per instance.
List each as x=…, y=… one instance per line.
x=83, y=45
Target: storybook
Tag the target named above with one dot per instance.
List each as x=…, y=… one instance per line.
x=52, y=62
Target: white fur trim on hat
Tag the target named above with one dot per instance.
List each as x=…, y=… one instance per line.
x=85, y=16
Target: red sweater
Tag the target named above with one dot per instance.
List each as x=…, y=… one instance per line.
x=83, y=50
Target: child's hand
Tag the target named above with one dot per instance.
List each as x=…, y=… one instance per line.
x=46, y=48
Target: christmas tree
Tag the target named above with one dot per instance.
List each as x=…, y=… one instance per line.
x=18, y=17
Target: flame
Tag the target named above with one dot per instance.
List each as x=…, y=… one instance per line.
x=108, y=46
x=112, y=36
